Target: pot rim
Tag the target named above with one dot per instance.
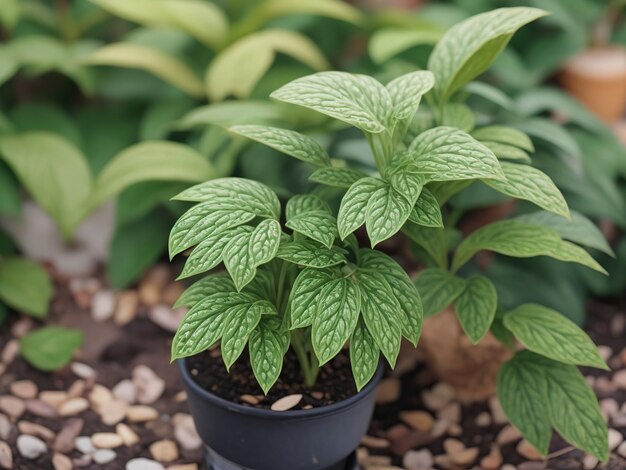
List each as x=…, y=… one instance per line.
x=271, y=414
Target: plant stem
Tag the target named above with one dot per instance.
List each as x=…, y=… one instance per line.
x=308, y=363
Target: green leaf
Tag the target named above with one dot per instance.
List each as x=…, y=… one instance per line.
x=389, y=42
x=553, y=133
x=426, y=211
x=521, y=240
x=476, y=307
x=164, y=66
x=335, y=318
x=209, y=285
x=51, y=347
x=337, y=177
x=303, y=203
x=59, y=183
x=459, y=116
x=403, y=175
x=267, y=344
x=353, y=204
x=504, y=135
x=207, y=254
x=438, y=289
x=239, y=67
x=10, y=197
x=290, y=142
x=406, y=93
x=579, y=229
x=308, y=253
x=8, y=64
x=228, y=113
x=549, y=333
x=305, y=295
x=240, y=321
x=386, y=212
x=358, y=100
x=328, y=8
x=506, y=151
x=321, y=226
x=382, y=313
x=25, y=286
x=363, y=355
x=470, y=47
x=9, y=13
x=530, y=184
x=445, y=153
x=430, y=239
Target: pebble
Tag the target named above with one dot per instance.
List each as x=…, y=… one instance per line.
x=621, y=450
x=61, y=462
x=455, y=430
x=493, y=460
x=418, y=460
x=249, y=399
x=618, y=324
x=185, y=432
x=77, y=388
x=9, y=353
x=166, y=317
x=12, y=406
x=286, y=403
x=99, y=396
x=526, y=450
x=450, y=413
x=483, y=419
x=84, y=445
x=605, y=386
x=143, y=464
x=148, y=384
x=125, y=391
x=53, y=398
x=113, y=412
x=172, y=293
x=24, y=389
x=507, y=435
x=34, y=429
x=5, y=427
x=615, y=439
x=153, y=285
x=605, y=352
x=127, y=434
x=103, y=305
x=39, y=408
x=106, y=440
x=619, y=420
x=420, y=420
x=6, y=456
x=619, y=379
x=181, y=397
x=31, y=447
x=21, y=327
x=453, y=446
x=609, y=407
x=440, y=428
x=438, y=397
x=466, y=457
x=164, y=451
x=388, y=391
x=83, y=371
x=508, y=466
x=185, y=466
x=374, y=442
x=104, y=456
x=589, y=462
x=497, y=413
x=141, y=413
x=73, y=406
x=127, y=305
x=66, y=439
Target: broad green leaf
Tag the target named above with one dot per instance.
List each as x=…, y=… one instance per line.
x=470, y=47
x=504, y=135
x=406, y=93
x=438, y=289
x=267, y=345
x=305, y=295
x=25, y=286
x=521, y=240
x=426, y=211
x=382, y=313
x=303, y=203
x=521, y=387
x=330, y=8
x=53, y=171
x=553, y=133
x=240, y=321
x=385, y=214
x=8, y=64
x=389, y=42
x=490, y=93
x=459, y=116
x=10, y=192
x=164, y=66
x=308, y=253
x=10, y=11
x=506, y=151
x=238, y=68
x=445, y=153
x=227, y=113
x=51, y=347
x=403, y=175
x=209, y=285
x=353, y=204
x=207, y=254
x=290, y=142
x=476, y=307
x=358, y=100
x=579, y=229
x=530, y=184
x=431, y=239
x=549, y=333
x=335, y=318
x=321, y=226
x=337, y=177
x=364, y=355
x=148, y=161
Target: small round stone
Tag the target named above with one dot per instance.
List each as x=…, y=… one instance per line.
x=31, y=447
x=143, y=464
x=106, y=440
x=104, y=456
x=164, y=451
x=84, y=445
x=73, y=406
x=129, y=436
x=24, y=389
x=286, y=403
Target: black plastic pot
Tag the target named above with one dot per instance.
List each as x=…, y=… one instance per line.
x=252, y=438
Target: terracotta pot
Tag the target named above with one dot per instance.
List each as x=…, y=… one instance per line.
x=597, y=78
x=471, y=370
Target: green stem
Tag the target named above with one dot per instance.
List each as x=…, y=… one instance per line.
x=308, y=363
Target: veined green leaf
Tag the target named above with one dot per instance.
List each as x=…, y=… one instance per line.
x=406, y=93
x=506, y=151
x=321, y=226
x=504, y=135
x=25, y=286
x=267, y=344
x=240, y=321
x=358, y=100
x=208, y=254
x=209, y=285
x=530, y=184
x=426, y=211
x=431, y=239
x=404, y=176
x=476, y=307
x=385, y=214
x=290, y=142
x=329, y=8
x=309, y=253
x=459, y=116
x=337, y=177
x=549, y=333
x=389, y=42
x=353, y=204
x=438, y=289
x=364, y=355
x=303, y=203
x=228, y=113
x=51, y=347
x=304, y=296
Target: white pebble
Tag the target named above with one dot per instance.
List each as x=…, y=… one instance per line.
x=103, y=305
x=143, y=464
x=30, y=447
x=103, y=456
x=84, y=445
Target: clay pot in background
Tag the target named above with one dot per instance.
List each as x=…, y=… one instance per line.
x=597, y=78
x=472, y=370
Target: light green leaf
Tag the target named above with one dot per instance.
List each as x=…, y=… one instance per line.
x=209, y=285
x=386, y=213
x=8, y=64
x=445, y=153
x=267, y=344
x=553, y=133
x=363, y=355
x=438, y=289
x=227, y=113
x=337, y=177
x=431, y=239
x=240, y=321
x=303, y=203
x=329, y=8
x=389, y=42
x=521, y=240
x=9, y=13
x=164, y=66
x=403, y=175
x=459, y=116
x=336, y=317
x=506, y=151
x=353, y=204
x=406, y=93
x=53, y=171
x=51, y=347
x=25, y=286
x=290, y=142
x=530, y=184
x=470, y=47
x=238, y=68
x=321, y=226
x=549, y=333
x=308, y=253
x=504, y=135
x=359, y=100
x=490, y=93
x=426, y=211
x=476, y=307
x=10, y=192
x=208, y=254
x=305, y=295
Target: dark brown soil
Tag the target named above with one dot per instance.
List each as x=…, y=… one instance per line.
x=334, y=382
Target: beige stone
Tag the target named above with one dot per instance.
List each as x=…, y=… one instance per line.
x=507, y=435
x=172, y=293
x=493, y=460
x=53, y=398
x=418, y=419
x=24, y=389
x=185, y=466
x=127, y=305
x=73, y=406
x=12, y=406
x=249, y=399
x=165, y=450
x=125, y=391
x=374, y=442
x=127, y=434
x=100, y=395
x=34, y=429
x=450, y=413
x=6, y=456
x=113, y=412
x=77, y=388
x=83, y=371
x=528, y=451
x=185, y=431
x=286, y=403
x=388, y=391
x=141, y=413
x=149, y=385
x=466, y=457
x=61, y=462
x=106, y=440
